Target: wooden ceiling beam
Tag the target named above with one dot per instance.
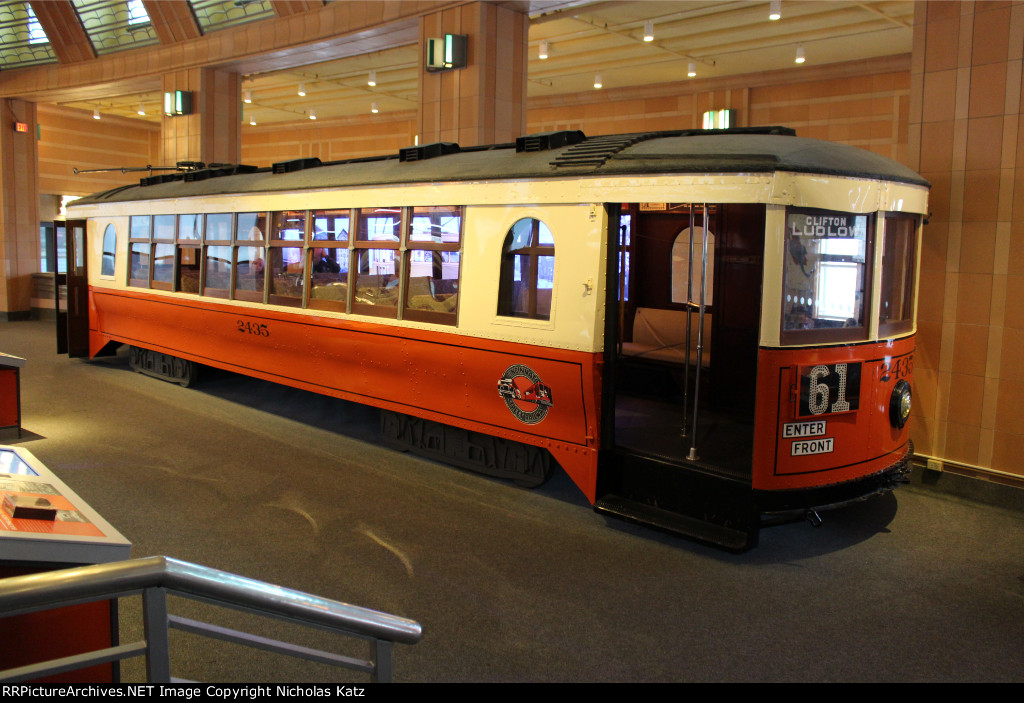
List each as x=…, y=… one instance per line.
x=284, y=8
x=64, y=30
x=172, y=21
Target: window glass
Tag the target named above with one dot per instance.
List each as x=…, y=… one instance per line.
x=527, y=275
x=436, y=224
x=218, y=270
x=188, y=269
x=163, y=265
x=251, y=226
x=139, y=264
x=383, y=224
x=376, y=280
x=331, y=225
x=109, y=249
x=285, y=275
x=625, y=227
x=189, y=227
x=163, y=227
x=899, y=260
x=825, y=275
x=687, y=261
x=288, y=226
x=218, y=227
x=139, y=228
x=249, y=269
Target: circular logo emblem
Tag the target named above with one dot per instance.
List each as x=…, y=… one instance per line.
x=524, y=394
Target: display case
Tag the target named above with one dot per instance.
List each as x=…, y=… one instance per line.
x=44, y=526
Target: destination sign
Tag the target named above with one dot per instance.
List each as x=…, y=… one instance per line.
x=817, y=224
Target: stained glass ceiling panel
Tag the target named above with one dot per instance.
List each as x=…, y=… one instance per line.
x=220, y=14
x=22, y=40
x=115, y=25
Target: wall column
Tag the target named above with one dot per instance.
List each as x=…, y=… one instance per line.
x=212, y=133
x=484, y=103
x=19, y=208
x=967, y=138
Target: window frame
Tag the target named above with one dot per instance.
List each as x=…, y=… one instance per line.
x=534, y=250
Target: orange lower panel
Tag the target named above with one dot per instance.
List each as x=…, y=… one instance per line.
x=823, y=415
x=481, y=385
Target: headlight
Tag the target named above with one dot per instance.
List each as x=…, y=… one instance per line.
x=899, y=404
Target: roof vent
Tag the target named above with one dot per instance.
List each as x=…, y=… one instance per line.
x=296, y=165
x=545, y=141
x=428, y=151
x=160, y=178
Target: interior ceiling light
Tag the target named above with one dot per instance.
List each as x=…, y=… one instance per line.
x=597, y=80
x=302, y=90
x=141, y=110
x=95, y=114
x=543, y=50
x=648, y=30
x=374, y=109
x=372, y=80
x=252, y=120
x=691, y=70
x=775, y=11
x=800, y=58
x=247, y=96
x=312, y=113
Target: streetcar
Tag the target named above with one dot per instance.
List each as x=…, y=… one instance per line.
x=708, y=331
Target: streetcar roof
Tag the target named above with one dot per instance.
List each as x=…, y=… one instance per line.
x=690, y=152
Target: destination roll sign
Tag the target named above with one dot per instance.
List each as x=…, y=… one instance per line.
x=821, y=225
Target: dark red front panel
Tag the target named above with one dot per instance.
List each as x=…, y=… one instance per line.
x=823, y=414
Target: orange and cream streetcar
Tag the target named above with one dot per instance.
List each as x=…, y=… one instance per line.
x=705, y=330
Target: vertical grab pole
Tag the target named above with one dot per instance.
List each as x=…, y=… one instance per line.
x=700, y=332
x=689, y=297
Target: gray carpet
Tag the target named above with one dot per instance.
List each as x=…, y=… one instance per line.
x=509, y=584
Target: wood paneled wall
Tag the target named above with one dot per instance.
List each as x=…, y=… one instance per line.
x=968, y=140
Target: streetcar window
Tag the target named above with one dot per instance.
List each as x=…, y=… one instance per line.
x=218, y=270
x=825, y=276
x=139, y=251
x=376, y=282
x=218, y=227
x=163, y=227
x=189, y=227
x=250, y=226
x=527, y=274
x=687, y=262
x=163, y=265
x=188, y=269
x=109, y=247
x=249, y=266
x=899, y=259
x=382, y=224
x=625, y=228
x=375, y=277
x=432, y=292
x=329, y=260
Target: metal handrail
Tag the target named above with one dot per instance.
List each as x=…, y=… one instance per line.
x=156, y=577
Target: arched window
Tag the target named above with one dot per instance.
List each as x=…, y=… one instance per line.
x=527, y=275
x=109, y=247
x=687, y=261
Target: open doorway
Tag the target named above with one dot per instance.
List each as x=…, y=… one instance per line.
x=683, y=353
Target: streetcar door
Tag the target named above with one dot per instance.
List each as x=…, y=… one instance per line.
x=77, y=290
